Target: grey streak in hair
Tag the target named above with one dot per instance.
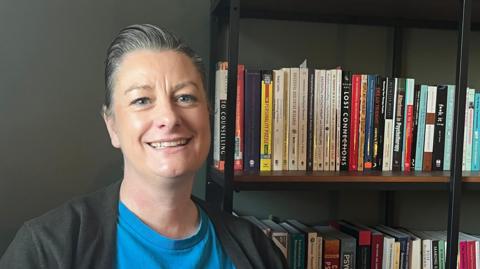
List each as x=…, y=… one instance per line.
x=144, y=36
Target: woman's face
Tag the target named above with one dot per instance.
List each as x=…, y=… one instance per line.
x=160, y=116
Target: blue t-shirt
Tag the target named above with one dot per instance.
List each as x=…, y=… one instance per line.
x=139, y=246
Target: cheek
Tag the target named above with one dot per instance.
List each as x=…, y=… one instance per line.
x=132, y=126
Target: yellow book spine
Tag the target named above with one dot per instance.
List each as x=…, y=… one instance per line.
x=266, y=124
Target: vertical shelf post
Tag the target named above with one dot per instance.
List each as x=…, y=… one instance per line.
x=232, y=58
x=455, y=190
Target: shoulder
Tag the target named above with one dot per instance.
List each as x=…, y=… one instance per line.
x=244, y=242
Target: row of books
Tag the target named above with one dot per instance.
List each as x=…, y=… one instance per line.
x=348, y=245
x=334, y=120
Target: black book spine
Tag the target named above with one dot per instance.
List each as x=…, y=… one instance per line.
x=345, y=120
x=439, y=131
x=416, y=107
x=398, y=133
x=251, y=162
x=310, y=116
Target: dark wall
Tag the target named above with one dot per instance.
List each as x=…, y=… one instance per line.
x=53, y=143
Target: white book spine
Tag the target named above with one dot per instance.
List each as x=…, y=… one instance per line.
x=387, y=251
x=333, y=118
x=220, y=96
x=320, y=118
x=468, y=136
x=388, y=133
x=286, y=113
x=430, y=128
x=293, y=120
x=327, y=117
x=302, y=119
x=339, y=116
x=278, y=120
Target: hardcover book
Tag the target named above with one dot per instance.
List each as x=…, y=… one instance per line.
x=296, y=250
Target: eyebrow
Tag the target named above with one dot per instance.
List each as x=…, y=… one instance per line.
x=138, y=87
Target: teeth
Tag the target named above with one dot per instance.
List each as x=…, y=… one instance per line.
x=165, y=144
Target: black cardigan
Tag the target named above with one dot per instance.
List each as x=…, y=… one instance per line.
x=82, y=234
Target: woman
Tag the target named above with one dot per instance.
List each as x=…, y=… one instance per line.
x=156, y=112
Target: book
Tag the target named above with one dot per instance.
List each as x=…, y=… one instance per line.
x=310, y=118
x=429, y=128
x=399, y=124
x=266, y=122
x=354, y=122
x=390, y=94
x=239, y=116
x=408, y=124
x=338, y=108
x=220, y=116
x=416, y=102
x=476, y=133
x=302, y=117
x=421, y=127
x=279, y=236
x=369, y=124
x=363, y=240
x=333, y=118
x=327, y=120
x=361, y=124
x=347, y=251
x=427, y=258
x=404, y=243
x=345, y=120
x=296, y=250
x=262, y=226
x=379, y=122
x=319, y=121
x=331, y=249
x=376, y=246
x=286, y=119
x=251, y=162
x=311, y=235
x=467, y=142
x=415, y=250
x=293, y=119
x=439, y=131
x=449, y=127
x=278, y=120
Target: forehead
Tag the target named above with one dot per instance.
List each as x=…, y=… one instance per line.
x=151, y=66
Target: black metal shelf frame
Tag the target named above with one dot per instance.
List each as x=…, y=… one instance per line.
x=220, y=187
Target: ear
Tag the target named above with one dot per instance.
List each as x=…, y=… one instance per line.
x=109, y=120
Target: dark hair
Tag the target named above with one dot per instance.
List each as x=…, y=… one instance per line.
x=143, y=36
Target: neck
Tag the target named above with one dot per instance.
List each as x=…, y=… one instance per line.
x=164, y=206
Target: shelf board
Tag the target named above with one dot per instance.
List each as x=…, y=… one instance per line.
x=408, y=13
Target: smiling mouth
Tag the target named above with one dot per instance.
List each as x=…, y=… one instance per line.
x=168, y=144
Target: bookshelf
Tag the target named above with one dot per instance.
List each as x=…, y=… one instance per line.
x=225, y=21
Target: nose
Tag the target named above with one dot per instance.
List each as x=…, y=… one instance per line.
x=166, y=115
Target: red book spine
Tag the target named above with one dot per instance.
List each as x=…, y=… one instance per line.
x=239, y=114
x=331, y=254
x=463, y=255
x=354, y=123
x=471, y=255
x=376, y=251
x=408, y=138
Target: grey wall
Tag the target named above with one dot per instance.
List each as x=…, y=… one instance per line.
x=53, y=144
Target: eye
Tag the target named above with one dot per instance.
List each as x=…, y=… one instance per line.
x=186, y=99
x=141, y=101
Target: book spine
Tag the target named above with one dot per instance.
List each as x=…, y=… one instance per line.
x=321, y=121
x=266, y=123
x=345, y=120
x=298, y=251
x=310, y=116
x=293, y=120
x=333, y=119
x=376, y=251
x=354, y=122
x=286, y=122
x=463, y=255
x=327, y=117
x=439, y=135
x=408, y=126
x=338, y=119
x=435, y=260
x=429, y=128
x=219, y=129
x=278, y=121
x=389, y=122
x=239, y=114
x=252, y=122
x=302, y=118
x=449, y=128
x=416, y=102
x=398, y=135
x=378, y=124
x=476, y=133
x=421, y=127
x=361, y=127
x=331, y=253
x=467, y=143
x=369, y=117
